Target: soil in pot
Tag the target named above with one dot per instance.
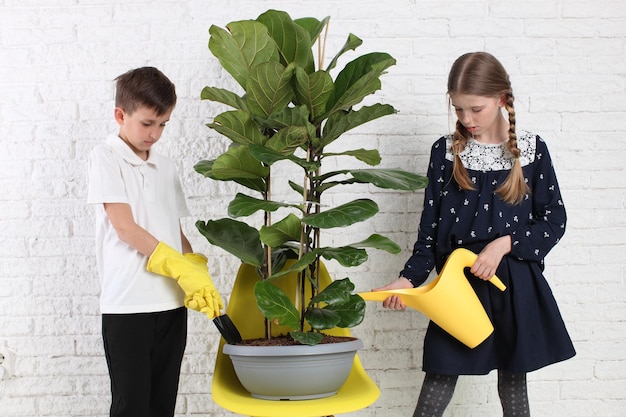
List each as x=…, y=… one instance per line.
x=286, y=340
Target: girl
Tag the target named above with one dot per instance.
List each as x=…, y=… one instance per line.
x=492, y=189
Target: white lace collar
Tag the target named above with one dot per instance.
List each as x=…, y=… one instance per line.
x=487, y=157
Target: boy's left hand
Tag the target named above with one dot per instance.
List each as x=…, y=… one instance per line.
x=192, y=275
x=198, y=300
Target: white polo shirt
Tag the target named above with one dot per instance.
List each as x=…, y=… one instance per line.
x=152, y=189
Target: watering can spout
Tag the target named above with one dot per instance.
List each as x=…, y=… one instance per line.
x=449, y=300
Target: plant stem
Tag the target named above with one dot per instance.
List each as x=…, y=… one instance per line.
x=321, y=46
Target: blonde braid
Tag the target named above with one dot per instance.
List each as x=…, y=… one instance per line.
x=512, y=143
x=458, y=169
x=514, y=188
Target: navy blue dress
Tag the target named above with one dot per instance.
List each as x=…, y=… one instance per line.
x=529, y=331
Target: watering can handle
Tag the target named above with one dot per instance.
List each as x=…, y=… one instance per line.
x=499, y=284
x=467, y=258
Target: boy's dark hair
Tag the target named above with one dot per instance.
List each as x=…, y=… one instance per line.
x=146, y=86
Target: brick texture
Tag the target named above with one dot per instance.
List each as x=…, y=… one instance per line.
x=57, y=62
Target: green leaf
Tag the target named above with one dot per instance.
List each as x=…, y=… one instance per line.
x=288, y=229
x=359, y=79
x=369, y=156
x=377, y=241
x=313, y=26
x=205, y=167
x=342, y=121
x=298, y=266
x=269, y=88
x=293, y=40
x=269, y=156
x=338, y=291
x=288, y=139
x=237, y=162
x=234, y=237
x=289, y=116
x=221, y=95
x=313, y=90
x=247, y=45
x=275, y=305
x=297, y=187
x=265, y=155
x=340, y=303
x=352, y=43
x=345, y=255
x=321, y=318
x=343, y=215
x=351, y=312
x=395, y=179
x=330, y=184
x=370, y=64
x=238, y=126
x=307, y=338
x=243, y=205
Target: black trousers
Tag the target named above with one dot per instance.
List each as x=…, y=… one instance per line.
x=144, y=354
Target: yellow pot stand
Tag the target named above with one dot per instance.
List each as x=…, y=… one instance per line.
x=449, y=300
x=358, y=392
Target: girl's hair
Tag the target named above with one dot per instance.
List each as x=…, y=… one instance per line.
x=146, y=86
x=481, y=74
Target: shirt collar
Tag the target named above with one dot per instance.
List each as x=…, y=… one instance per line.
x=122, y=149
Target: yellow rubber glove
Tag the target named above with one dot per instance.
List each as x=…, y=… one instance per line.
x=192, y=275
x=198, y=259
x=198, y=300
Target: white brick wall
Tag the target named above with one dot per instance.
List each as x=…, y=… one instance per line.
x=58, y=58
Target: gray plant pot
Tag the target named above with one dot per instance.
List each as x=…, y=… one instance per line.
x=293, y=372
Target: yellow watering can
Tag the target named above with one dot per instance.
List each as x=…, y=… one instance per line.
x=449, y=300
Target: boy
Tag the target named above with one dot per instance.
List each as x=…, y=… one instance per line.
x=139, y=247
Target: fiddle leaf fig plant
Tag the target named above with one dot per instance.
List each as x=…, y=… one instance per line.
x=287, y=108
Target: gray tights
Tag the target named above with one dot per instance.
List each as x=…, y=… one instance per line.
x=437, y=392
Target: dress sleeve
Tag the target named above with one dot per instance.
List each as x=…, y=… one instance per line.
x=546, y=225
x=422, y=261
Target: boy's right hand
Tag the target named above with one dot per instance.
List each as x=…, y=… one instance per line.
x=193, y=277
